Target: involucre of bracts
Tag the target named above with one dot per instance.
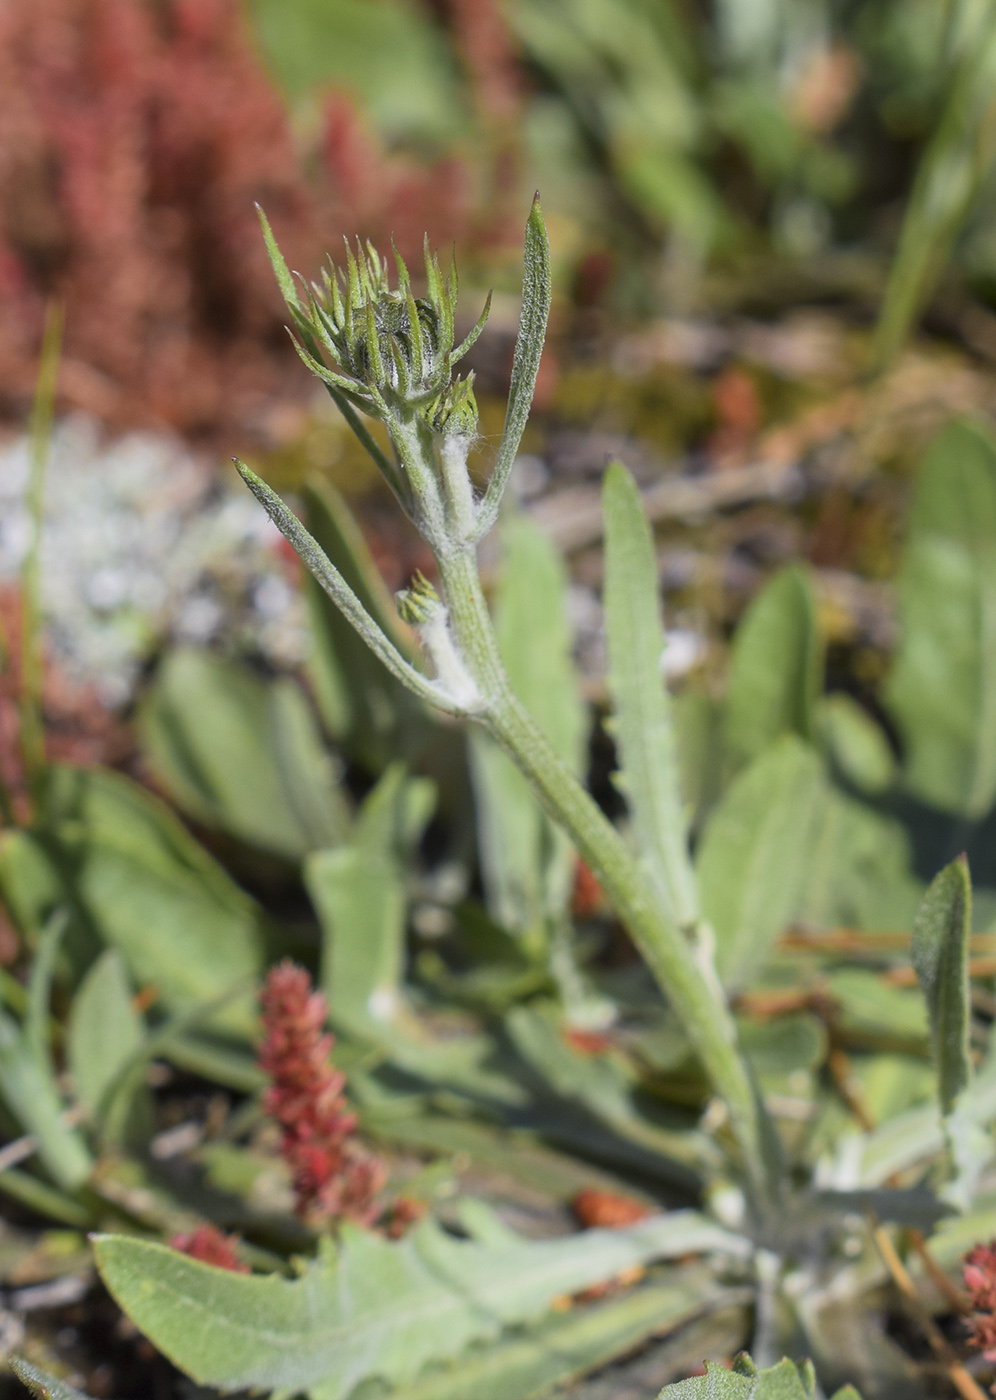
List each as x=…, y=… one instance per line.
x=380, y=346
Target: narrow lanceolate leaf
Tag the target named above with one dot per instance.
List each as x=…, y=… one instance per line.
x=374, y=1307
x=940, y=955
x=537, y=292
x=644, y=723
x=280, y=269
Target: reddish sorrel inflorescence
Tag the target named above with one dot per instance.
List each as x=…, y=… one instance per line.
x=980, y=1280
x=333, y=1178
x=208, y=1244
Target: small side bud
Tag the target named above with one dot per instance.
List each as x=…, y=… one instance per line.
x=417, y=604
x=454, y=413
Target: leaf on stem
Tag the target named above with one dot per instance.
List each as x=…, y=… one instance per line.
x=537, y=293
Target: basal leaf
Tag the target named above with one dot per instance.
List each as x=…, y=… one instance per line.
x=752, y=861
x=374, y=1308
x=644, y=724
x=776, y=667
x=941, y=933
x=942, y=689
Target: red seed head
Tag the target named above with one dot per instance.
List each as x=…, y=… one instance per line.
x=208, y=1244
x=333, y=1178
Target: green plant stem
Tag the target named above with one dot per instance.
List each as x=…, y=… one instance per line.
x=32, y=730
x=665, y=948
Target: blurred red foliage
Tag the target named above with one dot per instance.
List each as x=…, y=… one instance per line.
x=980, y=1280
x=211, y=1246
x=607, y=1210
x=135, y=137
x=380, y=196
x=334, y=1178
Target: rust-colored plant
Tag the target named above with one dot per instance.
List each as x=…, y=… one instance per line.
x=980, y=1280
x=134, y=139
x=211, y=1246
x=334, y=1178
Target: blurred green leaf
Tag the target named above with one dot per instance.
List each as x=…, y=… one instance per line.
x=957, y=158
x=856, y=746
x=875, y=1008
x=125, y=866
x=754, y=853
x=941, y=933
x=565, y=1347
x=776, y=667
x=359, y=894
x=360, y=898
x=698, y=728
x=29, y=1091
x=387, y=53
x=242, y=753
x=603, y=1084
x=104, y=1029
x=859, y=871
x=644, y=724
x=781, y=1047
x=942, y=689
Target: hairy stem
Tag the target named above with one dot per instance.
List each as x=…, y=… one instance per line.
x=666, y=949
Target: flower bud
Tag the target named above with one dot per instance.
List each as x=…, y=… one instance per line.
x=384, y=348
